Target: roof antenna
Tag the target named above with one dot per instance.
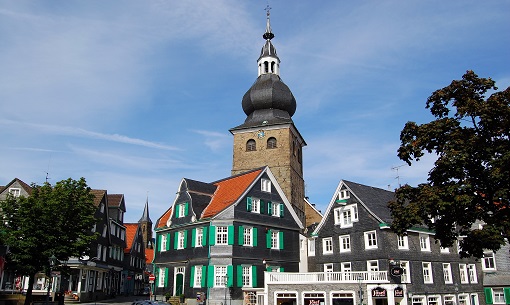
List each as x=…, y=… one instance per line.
x=48, y=170
x=395, y=168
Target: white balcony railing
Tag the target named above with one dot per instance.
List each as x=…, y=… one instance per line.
x=337, y=277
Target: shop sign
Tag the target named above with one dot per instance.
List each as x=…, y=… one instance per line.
x=397, y=271
x=379, y=292
x=313, y=301
x=398, y=292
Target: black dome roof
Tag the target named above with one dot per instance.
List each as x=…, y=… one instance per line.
x=269, y=92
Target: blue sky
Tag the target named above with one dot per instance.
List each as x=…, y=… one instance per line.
x=136, y=95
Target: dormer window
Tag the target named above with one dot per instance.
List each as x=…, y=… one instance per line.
x=344, y=194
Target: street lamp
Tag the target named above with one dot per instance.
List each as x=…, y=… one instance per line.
x=51, y=260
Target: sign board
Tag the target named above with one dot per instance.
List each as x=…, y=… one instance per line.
x=152, y=277
x=379, y=292
x=397, y=271
x=398, y=292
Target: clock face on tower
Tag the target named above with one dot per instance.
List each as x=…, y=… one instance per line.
x=261, y=134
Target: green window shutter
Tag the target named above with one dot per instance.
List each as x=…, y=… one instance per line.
x=280, y=237
x=254, y=276
x=241, y=235
x=192, y=276
x=254, y=237
x=185, y=239
x=268, y=239
x=168, y=241
x=261, y=206
x=204, y=278
x=212, y=236
x=230, y=237
x=281, y=209
x=280, y=269
x=177, y=208
x=230, y=275
x=248, y=204
x=507, y=295
x=204, y=236
x=269, y=208
x=488, y=295
x=193, y=237
x=186, y=209
x=166, y=277
x=176, y=240
x=239, y=276
x=158, y=246
x=210, y=276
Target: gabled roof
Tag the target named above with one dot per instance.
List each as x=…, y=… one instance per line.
x=98, y=196
x=228, y=191
x=25, y=186
x=131, y=230
x=149, y=255
x=374, y=200
x=116, y=201
x=218, y=196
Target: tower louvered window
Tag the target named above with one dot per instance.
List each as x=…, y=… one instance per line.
x=251, y=145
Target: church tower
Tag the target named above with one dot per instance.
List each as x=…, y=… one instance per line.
x=268, y=136
x=146, y=225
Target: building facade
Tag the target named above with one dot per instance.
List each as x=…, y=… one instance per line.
x=217, y=239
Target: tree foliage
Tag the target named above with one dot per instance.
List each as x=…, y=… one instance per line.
x=54, y=220
x=470, y=180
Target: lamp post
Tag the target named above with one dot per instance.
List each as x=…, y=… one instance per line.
x=226, y=288
x=51, y=260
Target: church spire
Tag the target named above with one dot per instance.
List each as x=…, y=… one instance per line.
x=145, y=215
x=268, y=35
x=268, y=61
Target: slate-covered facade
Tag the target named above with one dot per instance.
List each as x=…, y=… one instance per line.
x=218, y=238
x=354, y=240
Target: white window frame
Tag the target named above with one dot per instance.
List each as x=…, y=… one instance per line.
x=488, y=261
x=370, y=240
x=161, y=278
x=182, y=211
x=221, y=235
x=373, y=265
x=328, y=267
x=246, y=276
x=247, y=236
x=447, y=273
x=180, y=240
x=345, y=243
x=449, y=299
x=220, y=276
x=199, y=237
x=197, y=283
x=265, y=185
x=344, y=194
x=403, y=242
x=164, y=241
x=418, y=300
x=464, y=277
x=15, y=191
x=406, y=275
x=473, y=278
x=427, y=273
x=275, y=240
x=433, y=300
x=424, y=242
x=311, y=247
x=463, y=299
x=444, y=250
x=327, y=245
x=498, y=296
x=255, y=205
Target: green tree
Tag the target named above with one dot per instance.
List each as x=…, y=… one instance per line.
x=52, y=221
x=470, y=180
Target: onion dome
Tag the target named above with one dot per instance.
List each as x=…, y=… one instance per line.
x=268, y=100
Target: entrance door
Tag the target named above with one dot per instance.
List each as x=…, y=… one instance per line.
x=381, y=301
x=179, y=284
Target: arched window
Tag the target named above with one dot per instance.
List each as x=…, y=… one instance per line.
x=251, y=145
x=272, y=66
x=271, y=143
x=266, y=67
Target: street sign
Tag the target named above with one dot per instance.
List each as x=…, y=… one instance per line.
x=152, y=277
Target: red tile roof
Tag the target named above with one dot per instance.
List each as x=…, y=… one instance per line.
x=149, y=256
x=115, y=200
x=130, y=235
x=164, y=219
x=98, y=196
x=229, y=190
